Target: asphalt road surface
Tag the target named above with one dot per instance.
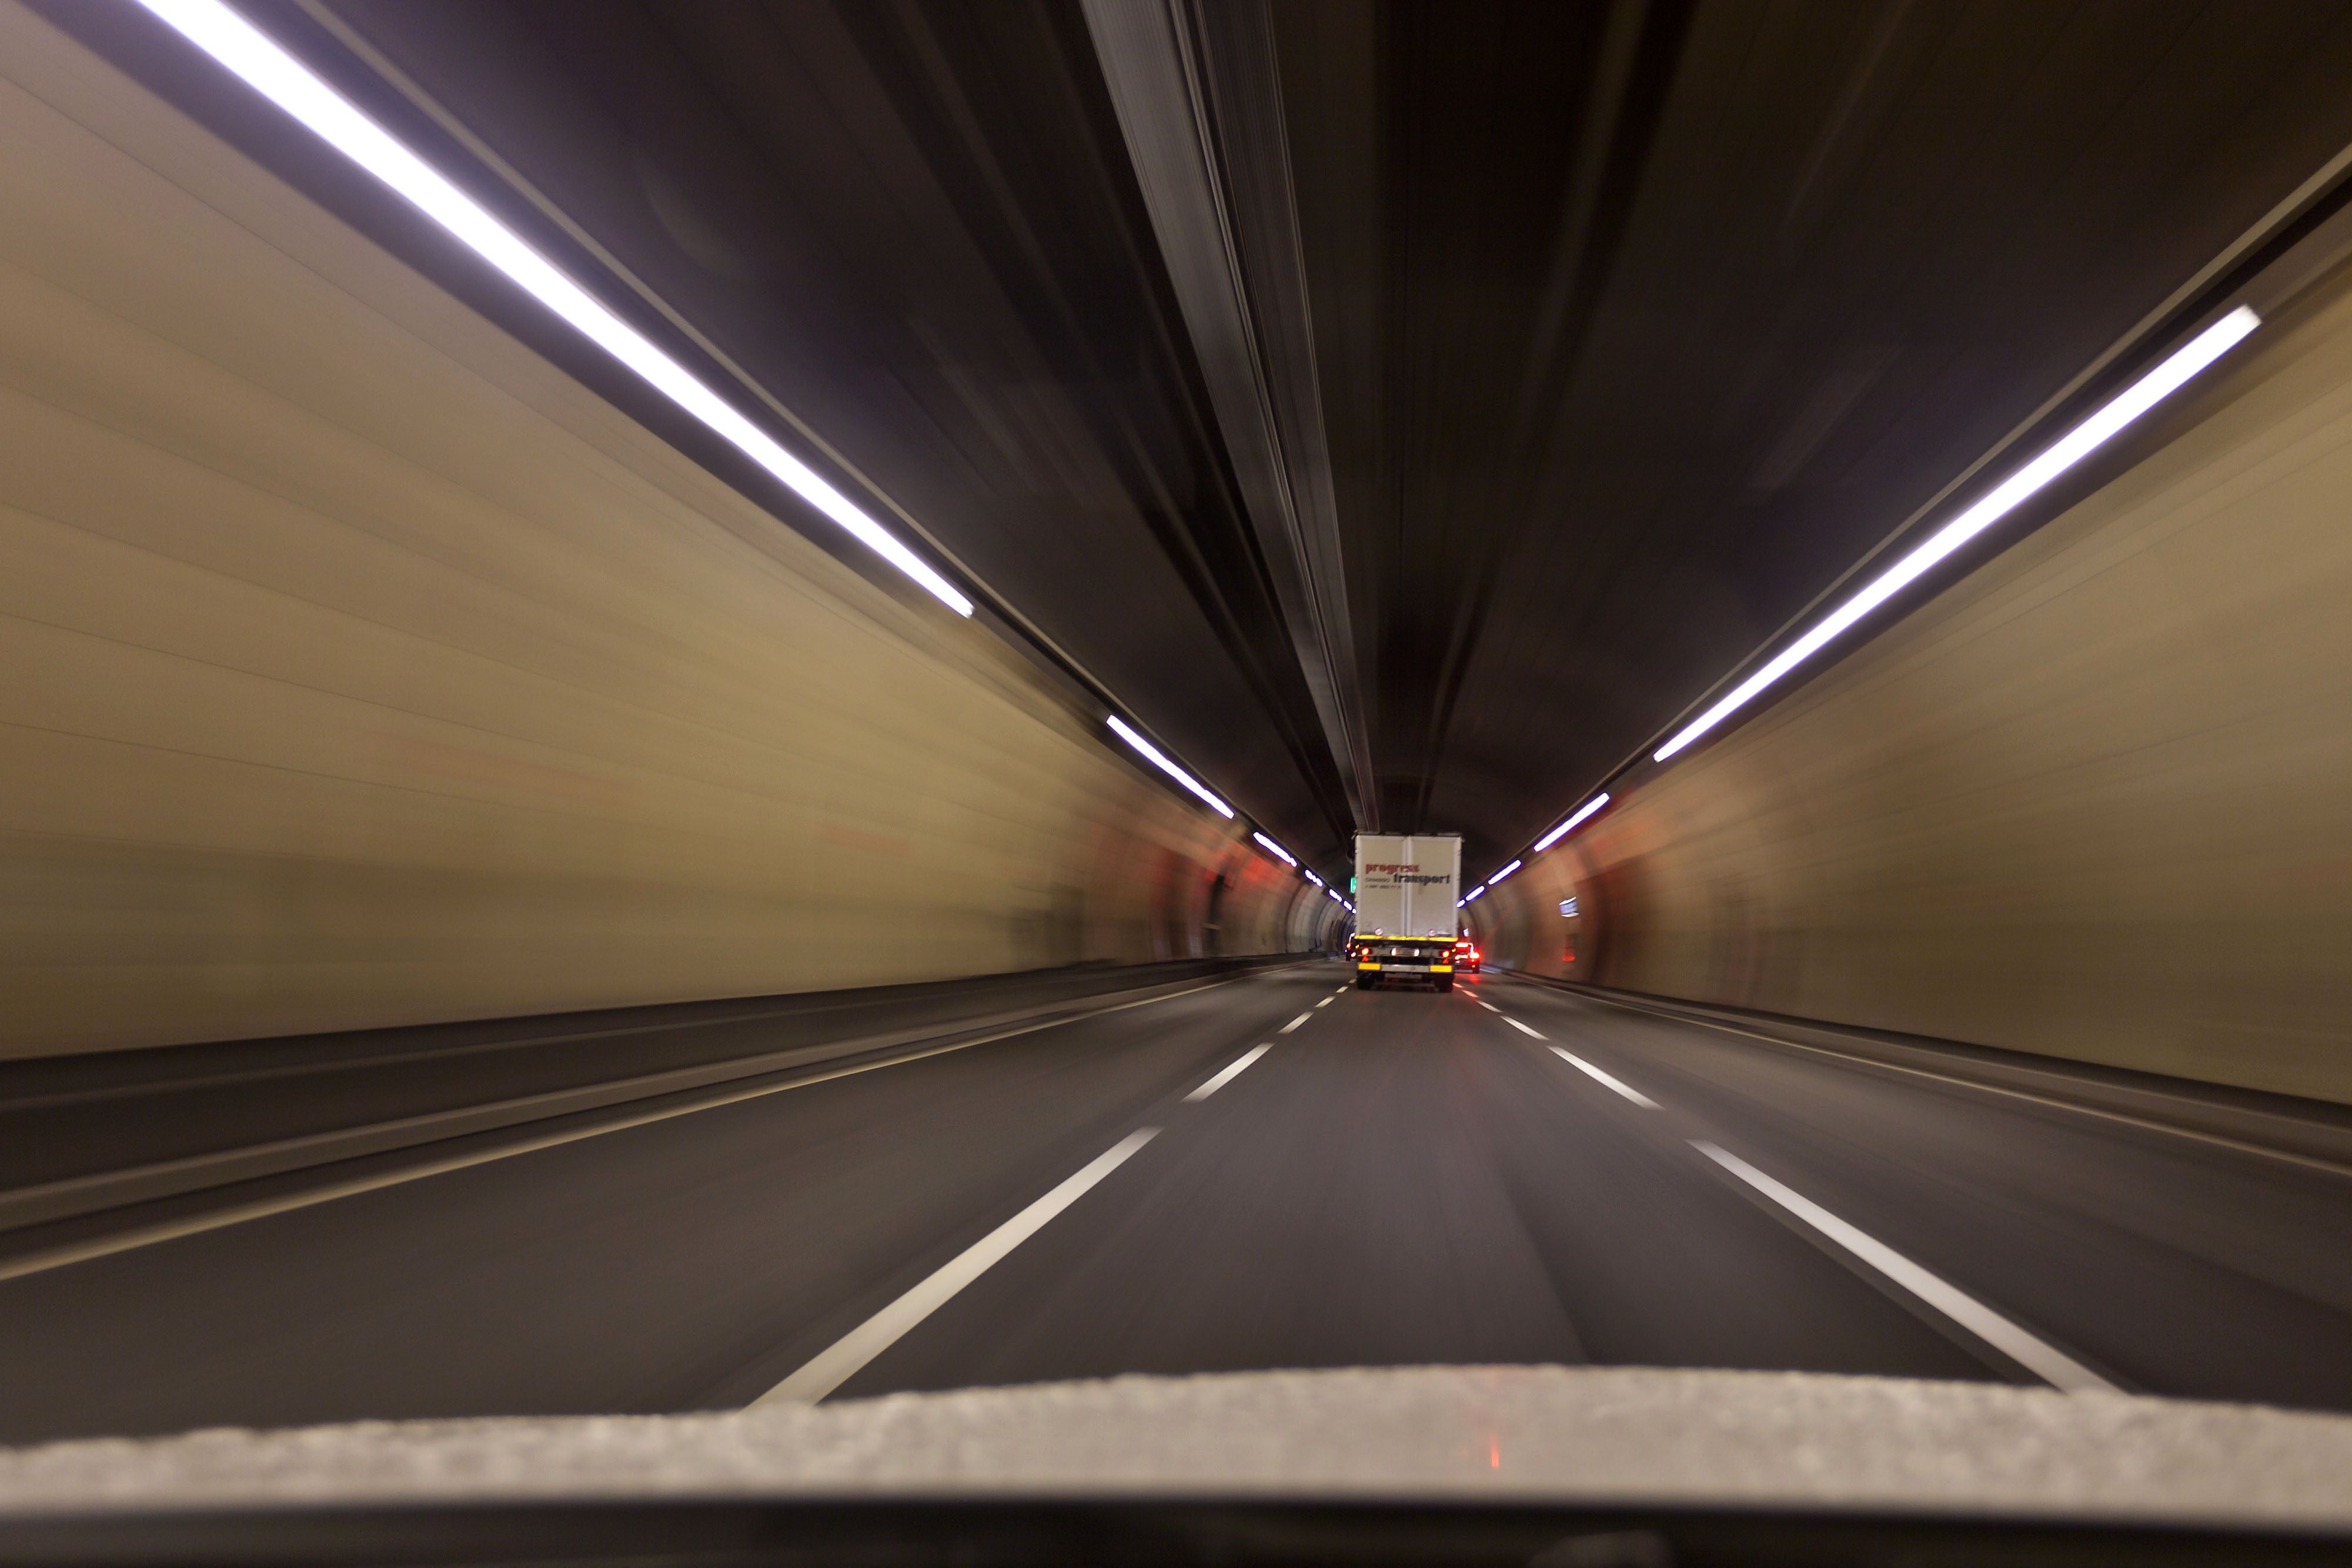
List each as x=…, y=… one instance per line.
x=1507, y=1173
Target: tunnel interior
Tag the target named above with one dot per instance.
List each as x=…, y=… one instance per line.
x=691, y=688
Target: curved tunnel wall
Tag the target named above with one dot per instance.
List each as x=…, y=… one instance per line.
x=364, y=670
x=2094, y=802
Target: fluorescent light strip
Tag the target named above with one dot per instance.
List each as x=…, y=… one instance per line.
x=1503, y=873
x=1471, y=894
x=1152, y=755
x=1570, y=826
x=1312, y=877
x=278, y=76
x=1276, y=851
x=2077, y=444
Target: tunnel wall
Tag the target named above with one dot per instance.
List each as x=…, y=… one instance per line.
x=362, y=669
x=2094, y=802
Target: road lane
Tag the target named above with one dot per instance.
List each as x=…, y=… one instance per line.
x=1404, y=1182
x=688, y=1263
x=2172, y=1264
x=1396, y=1178
x=847, y=1356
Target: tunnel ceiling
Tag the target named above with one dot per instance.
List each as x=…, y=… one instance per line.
x=1624, y=328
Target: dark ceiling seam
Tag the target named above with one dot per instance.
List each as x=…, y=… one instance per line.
x=1640, y=48
x=1238, y=607
x=1198, y=103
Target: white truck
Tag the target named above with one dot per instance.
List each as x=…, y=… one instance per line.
x=1407, y=910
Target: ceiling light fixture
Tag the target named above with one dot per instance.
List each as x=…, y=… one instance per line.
x=1570, y=826
x=2076, y=444
x=1311, y=876
x=1503, y=873
x=1472, y=893
x=1276, y=851
x=1153, y=755
x=249, y=53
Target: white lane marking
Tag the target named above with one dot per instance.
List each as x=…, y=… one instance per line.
x=1522, y=1028
x=1327, y=1001
x=1340, y=992
x=2310, y=1162
x=2046, y=1362
x=1488, y=1005
x=1232, y=1071
x=837, y=1366
x=1293, y=1023
x=220, y=1219
x=1597, y=1076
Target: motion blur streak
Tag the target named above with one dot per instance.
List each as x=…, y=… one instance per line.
x=2088, y=802
x=495, y=922
x=238, y=45
x=1405, y=1179
x=444, y=691
x=2086, y=439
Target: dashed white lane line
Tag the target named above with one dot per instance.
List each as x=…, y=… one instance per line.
x=848, y=1355
x=2046, y=1362
x=1228, y=1075
x=1293, y=1023
x=528, y=1143
x=1488, y=1005
x=1522, y=1028
x=1327, y=1001
x=1600, y=1077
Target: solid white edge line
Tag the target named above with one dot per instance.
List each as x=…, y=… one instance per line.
x=1293, y=1023
x=2046, y=1362
x=848, y=1355
x=1603, y=1079
x=2308, y=1162
x=1232, y=1071
x=1522, y=1028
